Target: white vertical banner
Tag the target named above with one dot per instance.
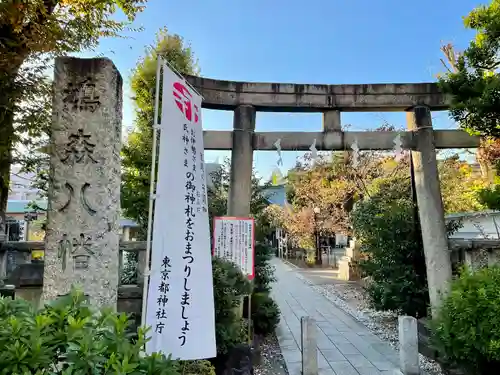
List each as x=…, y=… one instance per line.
x=234, y=240
x=180, y=302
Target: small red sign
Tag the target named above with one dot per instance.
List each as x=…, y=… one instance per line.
x=182, y=97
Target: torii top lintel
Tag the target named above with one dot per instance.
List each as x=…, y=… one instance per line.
x=292, y=97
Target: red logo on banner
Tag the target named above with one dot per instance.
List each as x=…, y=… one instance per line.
x=182, y=98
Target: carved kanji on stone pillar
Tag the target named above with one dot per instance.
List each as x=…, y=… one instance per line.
x=84, y=195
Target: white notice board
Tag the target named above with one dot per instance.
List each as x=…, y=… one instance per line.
x=234, y=240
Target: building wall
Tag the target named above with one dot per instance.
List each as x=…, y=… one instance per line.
x=20, y=185
x=481, y=226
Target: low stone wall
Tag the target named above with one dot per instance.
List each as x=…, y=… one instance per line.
x=424, y=335
x=16, y=253
x=475, y=253
x=425, y=347
x=28, y=282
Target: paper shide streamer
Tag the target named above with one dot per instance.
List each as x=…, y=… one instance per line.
x=355, y=155
x=277, y=144
x=314, y=150
x=276, y=177
x=398, y=149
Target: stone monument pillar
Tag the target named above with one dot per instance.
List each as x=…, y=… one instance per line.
x=82, y=237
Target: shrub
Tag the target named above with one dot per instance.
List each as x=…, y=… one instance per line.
x=264, y=271
x=70, y=337
x=265, y=314
x=392, y=247
x=230, y=285
x=196, y=368
x=394, y=259
x=129, y=272
x=466, y=330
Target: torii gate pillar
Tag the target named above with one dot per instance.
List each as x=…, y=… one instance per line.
x=430, y=206
x=240, y=188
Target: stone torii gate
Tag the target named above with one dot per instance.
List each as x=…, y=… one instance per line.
x=416, y=99
x=83, y=214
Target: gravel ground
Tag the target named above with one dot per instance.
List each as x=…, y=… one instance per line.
x=383, y=324
x=271, y=360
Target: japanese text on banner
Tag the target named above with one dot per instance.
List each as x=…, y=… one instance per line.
x=180, y=305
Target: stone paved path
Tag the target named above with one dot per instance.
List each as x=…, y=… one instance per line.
x=345, y=346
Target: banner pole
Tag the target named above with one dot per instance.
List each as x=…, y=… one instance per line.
x=147, y=268
x=250, y=322
x=250, y=338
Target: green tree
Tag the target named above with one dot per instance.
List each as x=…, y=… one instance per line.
x=218, y=194
x=331, y=184
x=32, y=32
x=472, y=80
x=386, y=224
x=390, y=239
x=137, y=150
x=459, y=185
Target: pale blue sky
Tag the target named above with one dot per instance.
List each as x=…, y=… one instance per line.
x=315, y=41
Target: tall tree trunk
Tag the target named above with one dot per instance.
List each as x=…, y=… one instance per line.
x=14, y=50
x=7, y=104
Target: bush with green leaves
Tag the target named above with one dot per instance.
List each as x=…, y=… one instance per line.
x=196, y=368
x=129, y=273
x=385, y=225
x=466, y=330
x=265, y=314
x=69, y=337
x=395, y=260
x=230, y=285
x=264, y=270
